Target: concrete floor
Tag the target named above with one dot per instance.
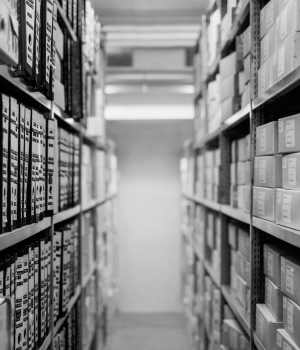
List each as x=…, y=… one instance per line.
x=149, y=332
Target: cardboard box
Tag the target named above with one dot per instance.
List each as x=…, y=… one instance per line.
x=266, y=327
x=233, y=278
x=268, y=15
x=233, y=173
x=267, y=139
x=287, y=208
x=244, y=243
x=240, y=197
x=242, y=84
x=216, y=172
x=241, y=170
x=234, y=151
x=265, y=80
x=274, y=299
x=286, y=58
x=209, y=159
x=217, y=322
x=291, y=319
x=216, y=340
x=209, y=191
x=229, y=87
x=233, y=196
x=59, y=96
x=210, y=238
x=246, y=41
x=226, y=24
x=248, y=173
x=233, y=258
x=291, y=171
x=207, y=313
x=241, y=291
x=288, y=21
x=264, y=203
x=246, y=96
x=272, y=261
x=247, y=198
x=209, y=175
x=268, y=171
x=231, y=334
x=230, y=65
x=247, y=70
x=242, y=150
x=230, y=106
x=285, y=341
x=290, y=277
x=267, y=46
x=288, y=128
x=242, y=268
x=59, y=42
x=232, y=236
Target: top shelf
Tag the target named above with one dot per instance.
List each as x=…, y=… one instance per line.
x=66, y=22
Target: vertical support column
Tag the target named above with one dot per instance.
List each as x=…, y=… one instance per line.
x=224, y=191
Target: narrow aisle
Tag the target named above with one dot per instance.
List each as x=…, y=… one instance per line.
x=150, y=332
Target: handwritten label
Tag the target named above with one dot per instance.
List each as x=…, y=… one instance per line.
x=290, y=133
x=263, y=139
x=261, y=203
x=262, y=171
x=283, y=24
x=286, y=207
x=290, y=317
x=290, y=279
x=292, y=177
x=270, y=264
x=281, y=54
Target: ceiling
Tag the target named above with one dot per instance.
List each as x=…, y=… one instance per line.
x=117, y=12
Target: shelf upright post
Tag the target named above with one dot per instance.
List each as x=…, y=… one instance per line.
x=81, y=279
x=257, y=285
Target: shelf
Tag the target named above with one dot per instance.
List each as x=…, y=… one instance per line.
x=236, y=214
x=283, y=86
x=18, y=85
x=237, y=118
x=63, y=117
x=95, y=202
x=92, y=141
x=9, y=239
x=66, y=22
x=284, y=233
x=46, y=342
x=212, y=274
x=207, y=203
x=87, y=277
x=238, y=22
x=240, y=313
x=257, y=342
x=66, y=214
x=71, y=304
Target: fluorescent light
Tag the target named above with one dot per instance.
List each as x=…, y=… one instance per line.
x=114, y=89
x=149, y=112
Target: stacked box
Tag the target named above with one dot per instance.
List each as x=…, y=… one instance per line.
x=212, y=161
x=213, y=105
x=213, y=241
x=233, y=336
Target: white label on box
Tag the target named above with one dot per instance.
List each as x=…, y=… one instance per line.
x=292, y=177
x=269, y=295
x=261, y=203
x=280, y=125
x=279, y=340
x=270, y=264
x=233, y=339
x=256, y=163
x=292, y=162
x=286, y=346
x=284, y=302
x=290, y=279
x=284, y=162
x=269, y=14
x=283, y=24
x=290, y=133
x=263, y=139
x=281, y=53
x=262, y=171
x=286, y=207
x=290, y=317
x=260, y=326
x=278, y=197
x=266, y=47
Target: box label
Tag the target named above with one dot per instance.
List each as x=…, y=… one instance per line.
x=270, y=264
x=290, y=133
x=290, y=317
x=286, y=346
x=284, y=162
x=278, y=197
x=260, y=326
x=283, y=24
x=263, y=139
x=281, y=54
x=266, y=47
x=280, y=125
x=279, y=340
x=261, y=203
x=290, y=279
x=286, y=207
x=263, y=171
x=292, y=178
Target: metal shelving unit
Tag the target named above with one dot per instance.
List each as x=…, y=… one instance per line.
x=66, y=214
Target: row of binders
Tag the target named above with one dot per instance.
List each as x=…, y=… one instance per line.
x=65, y=266
x=27, y=164
x=25, y=278
x=28, y=44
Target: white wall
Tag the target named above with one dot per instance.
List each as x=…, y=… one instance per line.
x=149, y=205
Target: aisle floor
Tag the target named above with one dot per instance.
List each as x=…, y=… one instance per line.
x=150, y=332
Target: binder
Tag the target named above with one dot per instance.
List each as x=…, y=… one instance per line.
x=75, y=10
x=31, y=190
x=31, y=330
x=36, y=292
x=27, y=164
x=76, y=253
x=21, y=146
x=70, y=11
x=46, y=256
x=4, y=164
x=25, y=297
x=1, y=278
x=37, y=43
x=13, y=296
x=40, y=169
x=54, y=24
x=19, y=302
x=50, y=167
x=26, y=36
x=57, y=251
x=13, y=164
x=7, y=276
x=35, y=124
x=42, y=291
x=49, y=282
x=44, y=167
x=46, y=46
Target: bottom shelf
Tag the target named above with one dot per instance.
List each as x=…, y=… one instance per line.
x=240, y=313
x=257, y=342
